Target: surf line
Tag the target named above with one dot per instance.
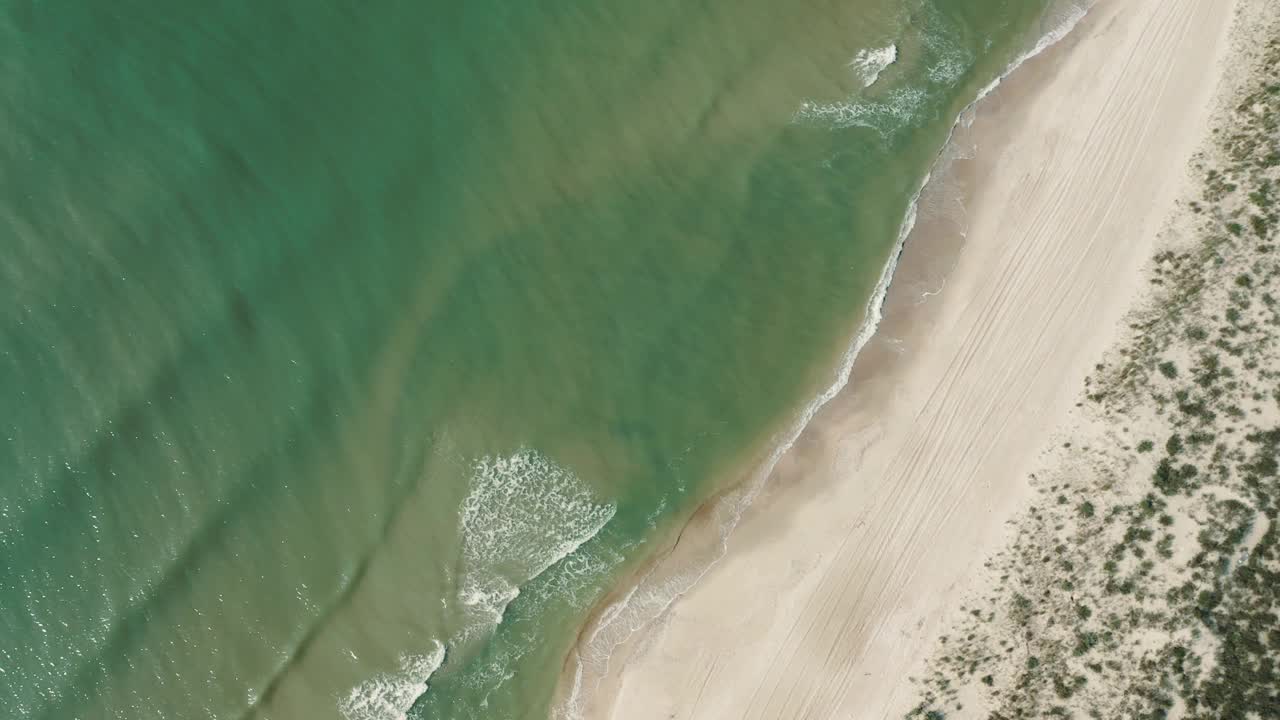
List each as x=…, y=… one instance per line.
x=736, y=501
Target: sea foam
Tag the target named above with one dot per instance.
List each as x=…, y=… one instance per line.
x=870, y=63
x=523, y=514
x=897, y=108
x=389, y=696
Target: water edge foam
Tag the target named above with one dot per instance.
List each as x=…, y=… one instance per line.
x=570, y=708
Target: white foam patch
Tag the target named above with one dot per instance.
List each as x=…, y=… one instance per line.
x=389, y=696
x=949, y=69
x=523, y=514
x=870, y=63
x=952, y=60
x=900, y=106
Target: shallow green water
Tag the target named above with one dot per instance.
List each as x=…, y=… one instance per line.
x=327, y=326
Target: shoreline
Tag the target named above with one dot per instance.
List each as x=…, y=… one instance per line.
x=1129, y=588
x=737, y=499
x=796, y=461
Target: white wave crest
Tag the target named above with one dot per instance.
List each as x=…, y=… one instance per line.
x=900, y=106
x=869, y=63
x=523, y=514
x=389, y=696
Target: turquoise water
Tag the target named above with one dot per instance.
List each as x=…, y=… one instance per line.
x=343, y=343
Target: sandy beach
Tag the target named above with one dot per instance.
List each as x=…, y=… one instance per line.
x=842, y=574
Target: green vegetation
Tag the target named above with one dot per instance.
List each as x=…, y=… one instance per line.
x=1119, y=598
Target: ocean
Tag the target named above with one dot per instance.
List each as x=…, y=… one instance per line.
x=351, y=352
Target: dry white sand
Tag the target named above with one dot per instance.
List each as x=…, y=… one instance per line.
x=837, y=582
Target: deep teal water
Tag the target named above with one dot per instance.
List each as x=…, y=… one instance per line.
x=340, y=340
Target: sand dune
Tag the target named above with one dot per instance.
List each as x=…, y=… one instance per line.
x=838, y=581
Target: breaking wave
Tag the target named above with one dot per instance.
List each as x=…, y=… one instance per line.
x=389, y=696
x=899, y=107
x=871, y=62
x=523, y=514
